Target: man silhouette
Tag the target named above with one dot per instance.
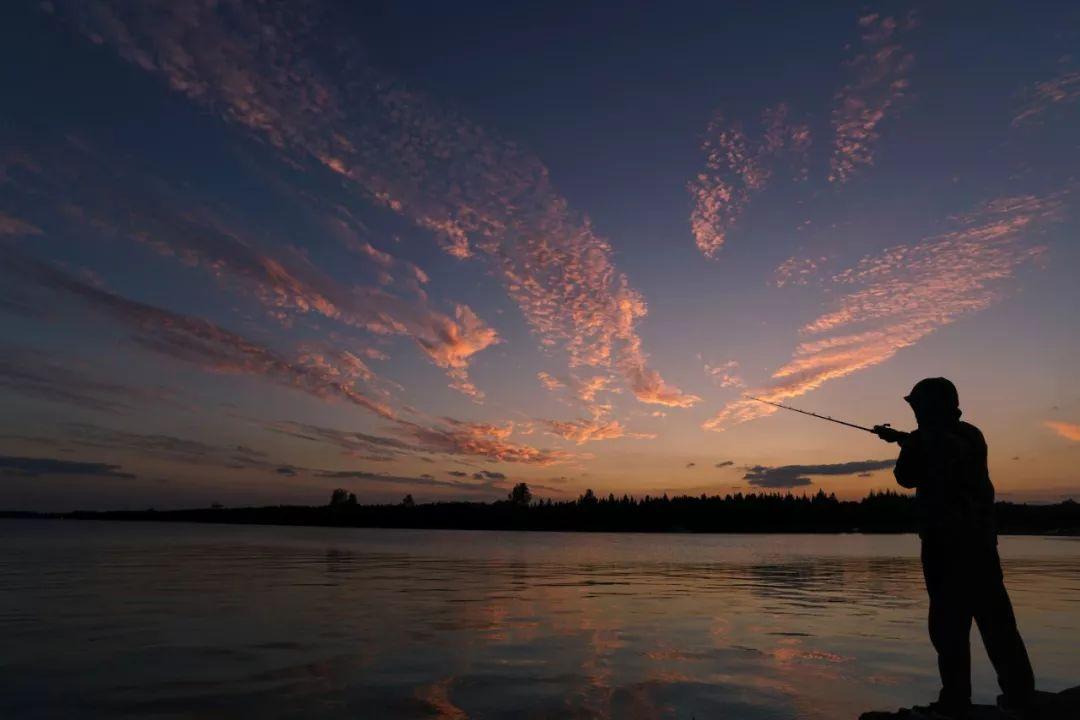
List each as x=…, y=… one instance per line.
x=945, y=461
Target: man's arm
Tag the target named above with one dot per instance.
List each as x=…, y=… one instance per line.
x=890, y=435
x=910, y=465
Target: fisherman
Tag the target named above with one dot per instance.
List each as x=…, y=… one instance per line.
x=945, y=461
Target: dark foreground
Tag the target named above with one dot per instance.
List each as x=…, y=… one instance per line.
x=1064, y=705
x=767, y=513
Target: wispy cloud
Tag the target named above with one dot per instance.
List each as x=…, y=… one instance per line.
x=736, y=169
x=879, y=81
x=171, y=448
x=901, y=295
x=191, y=339
x=1044, y=95
x=14, y=227
x=443, y=436
x=459, y=437
x=1069, y=431
x=42, y=376
x=725, y=375
x=797, y=271
x=786, y=476
x=481, y=486
x=95, y=189
x=362, y=446
x=588, y=430
x=14, y=466
x=481, y=195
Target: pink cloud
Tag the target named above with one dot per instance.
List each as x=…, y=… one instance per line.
x=195, y=340
x=879, y=81
x=1040, y=98
x=736, y=169
x=726, y=375
x=83, y=186
x=896, y=298
x=481, y=195
x=797, y=271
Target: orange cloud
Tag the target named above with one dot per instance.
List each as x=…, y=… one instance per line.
x=1069, y=431
x=879, y=83
x=903, y=294
x=481, y=195
x=459, y=437
x=584, y=430
x=452, y=344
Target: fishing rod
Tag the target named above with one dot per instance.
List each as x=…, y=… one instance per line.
x=873, y=431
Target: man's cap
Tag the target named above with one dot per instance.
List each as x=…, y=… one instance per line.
x=937, y=389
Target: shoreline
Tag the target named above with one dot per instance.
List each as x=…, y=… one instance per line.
x=269, y=517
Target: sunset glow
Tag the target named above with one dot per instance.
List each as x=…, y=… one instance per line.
x=251, y=254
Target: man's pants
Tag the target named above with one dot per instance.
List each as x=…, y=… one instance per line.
x=965, y=583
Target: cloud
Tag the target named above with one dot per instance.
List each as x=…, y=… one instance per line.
x=725, y=375
x=166, y=447
x=736, y=169
x=892, y=300
x=725, y=463
x=588, y=430
x=485, y=487
x=446, y=436
x=44, y=377
x=353, y=444
x=690, y=465
x=458, y=437
x=583, y=391
x=13, y=466
x=488, y=475
x=284, y=470
x=787, y=476
x=14, y=227
x=797, y=271
x=95, y=190
x=879, y=81
x=481, y=196
x=1044, y=95
x=191, y=339
x=1069, y=431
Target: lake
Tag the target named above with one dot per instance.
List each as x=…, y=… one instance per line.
x=205, y=621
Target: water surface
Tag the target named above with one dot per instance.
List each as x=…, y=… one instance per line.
x=202, y=621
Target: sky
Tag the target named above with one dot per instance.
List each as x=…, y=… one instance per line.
x=252, y=252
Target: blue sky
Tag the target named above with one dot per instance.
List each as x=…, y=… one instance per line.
x=252, y=254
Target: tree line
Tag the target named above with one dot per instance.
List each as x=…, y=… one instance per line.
x=878, y=512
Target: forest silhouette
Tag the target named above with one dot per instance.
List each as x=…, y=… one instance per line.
x=878, y=512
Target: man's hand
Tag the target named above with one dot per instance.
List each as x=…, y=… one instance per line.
x=887, y=434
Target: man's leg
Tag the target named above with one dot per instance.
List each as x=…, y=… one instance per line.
x=949, y=622
x=997, y=625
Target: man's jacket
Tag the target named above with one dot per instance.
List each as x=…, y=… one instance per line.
x=953, y=493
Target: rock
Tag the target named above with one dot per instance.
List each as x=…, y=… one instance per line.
x=1064, y=705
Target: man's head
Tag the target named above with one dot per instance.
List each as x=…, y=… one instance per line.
x=934, y=401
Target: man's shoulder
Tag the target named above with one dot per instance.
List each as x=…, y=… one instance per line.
x=968, y=428
x=971, y=433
